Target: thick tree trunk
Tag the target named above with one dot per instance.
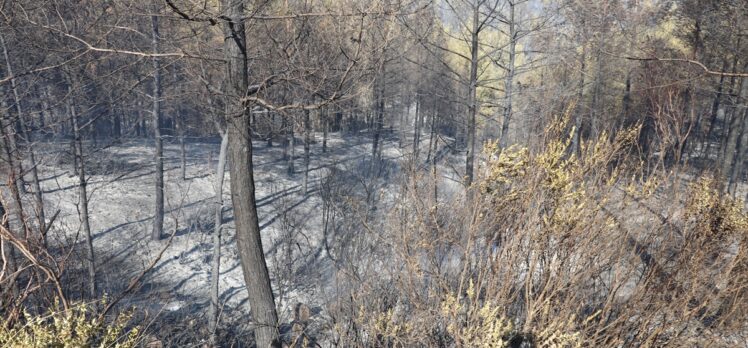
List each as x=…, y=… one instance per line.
x=216, y=262
x=83, y=199
x=39, y=201
x=472, y=99
x=248, y=238
x=158, y=155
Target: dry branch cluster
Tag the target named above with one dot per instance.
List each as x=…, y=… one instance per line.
x=557, y=250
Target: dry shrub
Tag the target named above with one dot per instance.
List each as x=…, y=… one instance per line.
x=76, y=327
x=552, y=249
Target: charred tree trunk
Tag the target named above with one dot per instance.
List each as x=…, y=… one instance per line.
x=401, y=128
x=737, y=168
x=728, y=117
x=216, y=262
x=182, y=146
x=291, y=148
x=11, y=151
x=576, y=137
x=271, y=121
x=248, y=238
x=509, y=80
x=8, y=255
x=435, y=143
x=432, y=139
x=472, y=98
x=180, y=125
x=417, y=130
x=378, y=116
x=325, y=129
x=39, y=201
x=307, y=148
x=284, y=128
x=715, y=108
x=83, y=199
x=158, y=155
x=11, y=147
x=736, y=124
x=142, y=131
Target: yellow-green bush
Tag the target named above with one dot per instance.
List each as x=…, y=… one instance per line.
x=76, y=327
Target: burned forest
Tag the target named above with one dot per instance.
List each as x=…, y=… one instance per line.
x=373, y=173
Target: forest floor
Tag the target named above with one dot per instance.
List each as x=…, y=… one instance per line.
x=174, y=294
x=121, y=186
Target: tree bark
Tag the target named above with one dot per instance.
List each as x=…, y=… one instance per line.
x=248, y=238
x=284, y=128
x=596, y=109
x=417, y=130
x=307, y=148
x=8, y=254
x=182, y=146
x=291, y=147
x=575, y=139
x=216, y=264
x=83, y=198
x=158, y=155
x=325, y=129
x=10, y=152
x=472, y=98
x=737, y=168
x=509, y=80
x=271, y=123
x=378, y=116
x=714, y=113
x=435, y=142
x=28, y=140
x=12, y=149
x=142, y=131
x=728, y=156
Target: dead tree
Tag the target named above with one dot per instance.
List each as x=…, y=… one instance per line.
x=216, y=262
x=248, y=238
x=83, y=196
x=307, y=149
x=27, y=138
x=158, y=154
